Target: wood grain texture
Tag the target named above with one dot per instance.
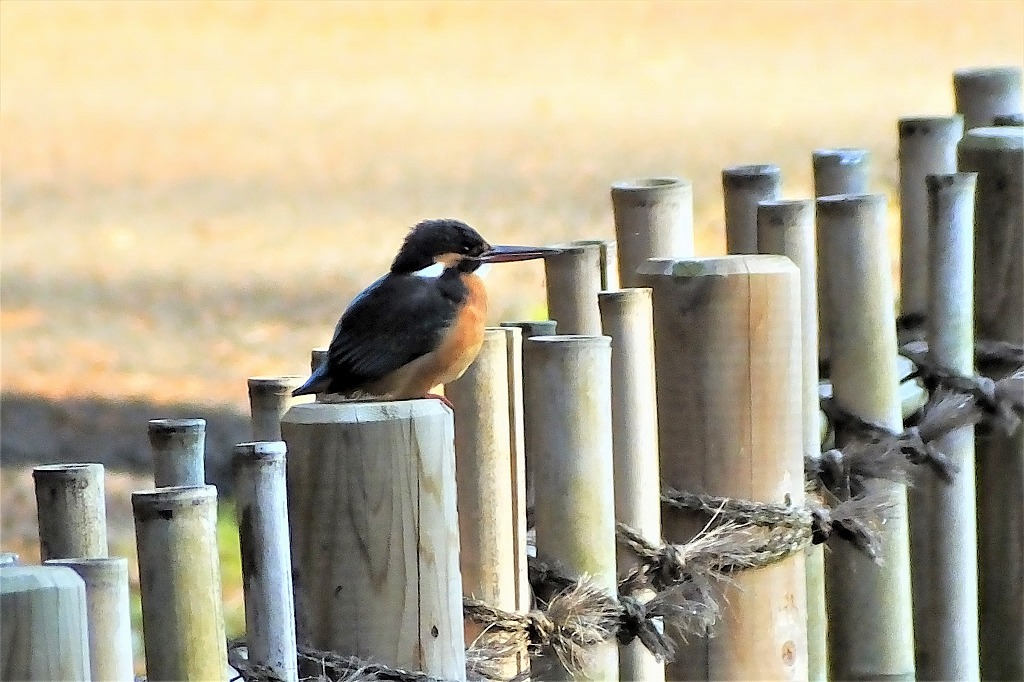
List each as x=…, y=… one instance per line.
x=727, y=345
x=374, y=528
x=43, y=624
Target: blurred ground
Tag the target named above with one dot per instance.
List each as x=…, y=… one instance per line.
x=191, y=192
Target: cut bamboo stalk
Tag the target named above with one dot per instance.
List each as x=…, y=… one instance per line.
x=179, y=447
x=262, y=510
x=836, y=171
x=573, y=280
x=1016, y=119
x=982, y=93
x=653, y=219
x=742, y=188
x=997, y=155
x=567, y=383
x=488, y=482
x=375, y=532
x=72, y=511
x=870, y=616
x=946, y=584
x=626, y=318
x=44, y=624
x=529, y=329
x=728, y=359
x=269, y=399
x=108, y=615
x=927, y=144
x=9, y=559
x=179, y=577
x=786, y=228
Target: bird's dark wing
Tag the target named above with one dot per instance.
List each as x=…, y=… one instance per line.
x=391, y=323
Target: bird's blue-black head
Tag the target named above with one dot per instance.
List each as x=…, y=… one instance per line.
x=443, y=240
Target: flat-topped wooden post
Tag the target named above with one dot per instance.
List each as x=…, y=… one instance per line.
x=375, y=532
x=567, y=382
x=72, y=511
x=179, y=579
x=492, y=513
x=179, y=452
x=730, y=415
x=269, y=399
x=653, y=219
x=786, y=228
x=742, y=188
x=997, y=155
x=109, y=615
x=870, y=619
x=44, y=624
x=573, y=279
x=983, y=92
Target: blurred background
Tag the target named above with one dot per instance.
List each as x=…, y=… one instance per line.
x=193, y=191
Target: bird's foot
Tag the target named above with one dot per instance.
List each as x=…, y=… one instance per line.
x=442, y=399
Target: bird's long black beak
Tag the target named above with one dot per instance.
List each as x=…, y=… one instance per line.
x=509, y=254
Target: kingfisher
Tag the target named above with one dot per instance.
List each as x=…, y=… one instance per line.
x=421, y=324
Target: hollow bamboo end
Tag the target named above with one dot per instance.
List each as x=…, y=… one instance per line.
x=1007, y=138
x=778, y=213
x=97, y=570
x=627, y=296
x=840, y=156
x=1001, y=73
x=534, y=327
x=166, y=427
x=67, y=472
x=275, y=383
x=924, y=126
x=756, y=174
x=565, y=340
x=259, y=451
x=650, y=185
x=164, y=502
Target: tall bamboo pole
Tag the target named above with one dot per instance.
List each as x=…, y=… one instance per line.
x=269, y=399
x=72, y=511
x=982, y=93
x=179, y=447
x=653, y=219
x=742, y=188
x=574, y=277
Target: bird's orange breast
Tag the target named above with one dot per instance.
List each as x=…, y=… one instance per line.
x=462, y=342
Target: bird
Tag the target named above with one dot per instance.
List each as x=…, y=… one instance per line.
x=420, y=325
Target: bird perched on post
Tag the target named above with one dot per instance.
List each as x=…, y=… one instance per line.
x=408, y=331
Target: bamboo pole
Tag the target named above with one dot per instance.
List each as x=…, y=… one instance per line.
x=567, y=383
x=179, y=447
x=179, y=579
x=653, y=219
x=997, y=155
x=836, y=171
x=72, y=511
x=262, y=510
x=927, y=144
x=730, y=409
x=269, y=399
x=626, y=318
x=529, y=329
x=742, y=188
x=517, y=436
x=108, y=615
x=492, y=552
x=573, y=280
x=786, y=228
x=44, y=624
x=375, y=534
x=870, y=616
x=982, y=93
x=947, y=583
x=1016, y=119
x=9, y=559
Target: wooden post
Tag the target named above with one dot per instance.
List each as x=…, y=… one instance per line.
x=626, y=318
x=728, y=361
x=742, y=188
x=653, y=219
x=870, y=618
x=179, y=447
x=262, y=510
x=982, y=93
x=927, y=144
x=72, y=511
x=44, y=624
x=573, y=280
x=786, y=228
x=269, y=399
x=493, y=551
x=375, y=532
x=108, y=615
x=179, y=579
x=997, y=155
x=946, y=578
x=529, y=329
x=836, y=171
x=567, y=383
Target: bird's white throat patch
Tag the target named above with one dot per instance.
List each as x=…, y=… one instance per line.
x=434, y=271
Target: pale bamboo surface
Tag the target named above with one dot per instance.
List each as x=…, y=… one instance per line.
x=730, y=409
x=374, y=531
x=743, y=187
x=653, y=219
x=870, y=614
x=43, y=624
x=573, y=279
x=72, y=511
x=179, y=452
x=982, y=93
x=269, y=399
